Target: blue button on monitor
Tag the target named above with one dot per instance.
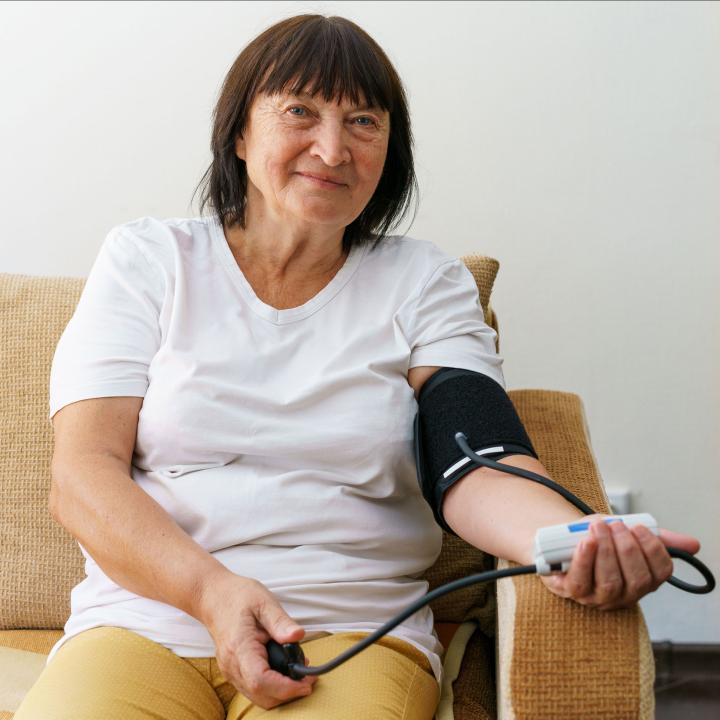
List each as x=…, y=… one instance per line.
x=579, y=527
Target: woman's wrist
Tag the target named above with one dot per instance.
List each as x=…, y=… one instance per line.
x=210, y=589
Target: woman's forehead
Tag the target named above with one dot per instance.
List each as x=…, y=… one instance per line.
x=306, y=95
x=341, y=90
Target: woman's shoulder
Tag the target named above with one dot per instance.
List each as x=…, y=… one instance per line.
x=160, y=239
x=153, y=230
x=409, y=255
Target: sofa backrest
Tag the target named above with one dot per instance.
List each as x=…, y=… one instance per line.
x=40, y=561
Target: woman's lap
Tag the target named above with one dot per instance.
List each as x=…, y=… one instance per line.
x=114, y=673
x=381, y=682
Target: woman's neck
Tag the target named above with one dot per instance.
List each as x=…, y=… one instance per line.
x=280, y=250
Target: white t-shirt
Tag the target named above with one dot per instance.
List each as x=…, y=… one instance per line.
x=279, y=440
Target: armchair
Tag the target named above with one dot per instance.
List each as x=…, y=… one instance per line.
x=514, y=650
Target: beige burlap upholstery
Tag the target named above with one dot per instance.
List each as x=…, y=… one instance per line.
x=533, y=654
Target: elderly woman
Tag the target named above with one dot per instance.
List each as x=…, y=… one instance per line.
x=233, y=402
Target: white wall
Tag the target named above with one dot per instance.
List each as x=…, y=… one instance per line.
x=577, y=143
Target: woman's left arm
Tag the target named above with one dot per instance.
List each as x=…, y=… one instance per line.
x=500, y=513
x=612, y=568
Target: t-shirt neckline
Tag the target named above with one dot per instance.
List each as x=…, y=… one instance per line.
x=287, y=315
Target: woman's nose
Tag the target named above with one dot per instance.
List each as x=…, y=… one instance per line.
x=330, y=144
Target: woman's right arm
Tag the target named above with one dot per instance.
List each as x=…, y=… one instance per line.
x=140, y=547
x=130, y=536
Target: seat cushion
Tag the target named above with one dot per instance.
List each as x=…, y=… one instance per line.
x=22, y=658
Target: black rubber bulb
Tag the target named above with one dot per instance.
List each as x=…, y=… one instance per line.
x=281, y=657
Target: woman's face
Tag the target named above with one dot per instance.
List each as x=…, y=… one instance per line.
x=310, y=160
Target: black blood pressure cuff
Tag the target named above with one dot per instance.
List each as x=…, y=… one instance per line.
x=451, y=401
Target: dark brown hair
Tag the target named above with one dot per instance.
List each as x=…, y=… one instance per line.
x=331, y=56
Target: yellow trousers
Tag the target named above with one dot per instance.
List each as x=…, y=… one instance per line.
x=110, y=673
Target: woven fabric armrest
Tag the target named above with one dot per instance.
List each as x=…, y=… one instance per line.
x=556, y=658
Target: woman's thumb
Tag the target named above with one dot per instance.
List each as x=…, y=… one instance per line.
x=688, y=543
x=279, y=625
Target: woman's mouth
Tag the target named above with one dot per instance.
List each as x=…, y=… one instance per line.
x=322, y=180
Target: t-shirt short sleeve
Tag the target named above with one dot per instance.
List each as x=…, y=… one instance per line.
x=445, y=325
x=106, y=348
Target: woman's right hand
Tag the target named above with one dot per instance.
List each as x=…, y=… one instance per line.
x=241, y=614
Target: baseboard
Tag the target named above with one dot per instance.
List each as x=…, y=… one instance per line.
x=674, y=661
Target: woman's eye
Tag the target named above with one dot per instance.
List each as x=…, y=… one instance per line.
x=297, y=111
x=365, y=121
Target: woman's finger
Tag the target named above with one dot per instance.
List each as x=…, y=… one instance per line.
x=608, y=576
x=638, y=580
x=658, y=560
x=577, y=582
x=679, y=540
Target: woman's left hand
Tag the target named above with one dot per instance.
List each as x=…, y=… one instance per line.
x=614, y=566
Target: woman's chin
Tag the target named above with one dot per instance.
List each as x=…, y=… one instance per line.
x=320, y=214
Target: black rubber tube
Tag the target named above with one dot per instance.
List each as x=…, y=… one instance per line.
x=410, y=610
